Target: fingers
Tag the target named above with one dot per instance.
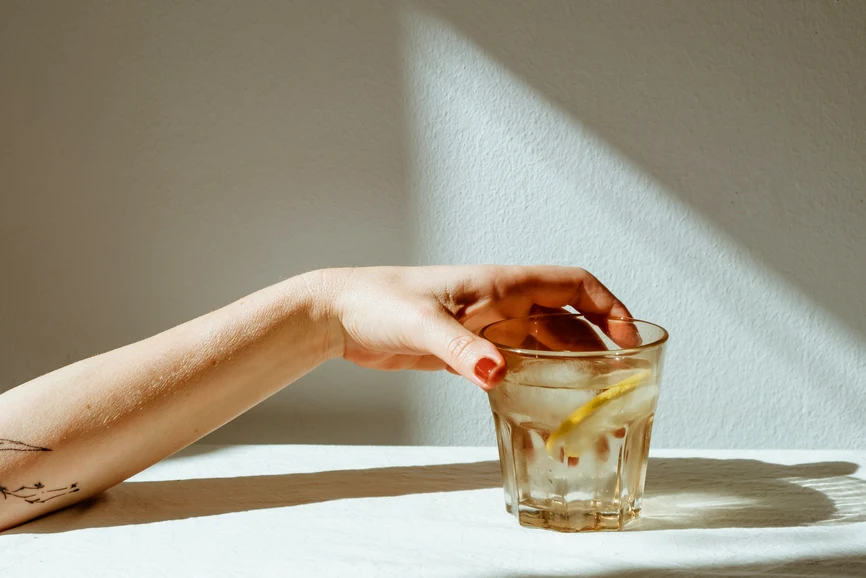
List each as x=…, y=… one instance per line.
x=566, y=333
x=467, y=354
x=571, y=286
x=561, y=286
x=561, y=331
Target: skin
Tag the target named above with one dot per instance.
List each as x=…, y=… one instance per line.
x=83, y=428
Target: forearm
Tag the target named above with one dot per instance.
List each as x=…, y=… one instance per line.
x=106, y=418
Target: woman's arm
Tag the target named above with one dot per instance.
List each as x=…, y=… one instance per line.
x=81, y=429
x=76, y=431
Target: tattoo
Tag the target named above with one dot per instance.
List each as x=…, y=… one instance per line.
x=13, y=446
x=37, y=494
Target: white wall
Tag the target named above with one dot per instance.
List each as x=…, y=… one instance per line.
x=706, y=159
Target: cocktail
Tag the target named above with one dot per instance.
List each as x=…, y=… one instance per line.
x=574, y=417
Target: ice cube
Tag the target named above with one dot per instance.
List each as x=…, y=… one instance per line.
x=543, y=407
x=571, y=373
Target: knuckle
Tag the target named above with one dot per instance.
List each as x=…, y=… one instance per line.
x=459, y=347
x=428, y=314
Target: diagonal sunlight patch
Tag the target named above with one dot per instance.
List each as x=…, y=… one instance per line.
x=499, y=174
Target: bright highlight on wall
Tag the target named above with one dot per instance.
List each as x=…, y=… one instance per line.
x=500, y=174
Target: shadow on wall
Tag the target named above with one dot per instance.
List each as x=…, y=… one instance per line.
x=316, y=424
x=338, y=404
x=165, y=158
x=750, y=112
x=162, y=159
x=682, y=493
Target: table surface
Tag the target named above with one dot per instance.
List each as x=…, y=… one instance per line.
x=435, y=511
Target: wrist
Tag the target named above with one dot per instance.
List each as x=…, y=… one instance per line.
x=321, y=291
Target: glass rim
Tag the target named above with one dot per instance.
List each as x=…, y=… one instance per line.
x=576, y=354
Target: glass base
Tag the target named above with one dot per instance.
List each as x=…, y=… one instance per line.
x=575, y=519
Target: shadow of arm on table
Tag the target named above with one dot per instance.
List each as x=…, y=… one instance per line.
x=147, y=502
x=682, y=493
x=830, y=566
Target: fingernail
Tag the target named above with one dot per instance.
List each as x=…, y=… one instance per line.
x=484, y=369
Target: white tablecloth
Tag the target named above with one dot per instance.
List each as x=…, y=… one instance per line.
x=405, y=511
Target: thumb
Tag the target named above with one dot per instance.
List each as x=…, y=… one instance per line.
x=469, y=355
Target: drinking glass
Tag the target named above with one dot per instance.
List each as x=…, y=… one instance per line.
x=574, y=416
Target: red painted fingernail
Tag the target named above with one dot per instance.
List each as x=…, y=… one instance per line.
x=485, y=368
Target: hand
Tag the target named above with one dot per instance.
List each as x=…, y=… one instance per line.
x=424, y=318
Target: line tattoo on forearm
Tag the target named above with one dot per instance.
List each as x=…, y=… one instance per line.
x=37, y=493
x=13, y=446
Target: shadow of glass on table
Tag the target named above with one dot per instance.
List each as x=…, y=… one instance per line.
x=686, y=493
x=830, y=566
x=682, y=493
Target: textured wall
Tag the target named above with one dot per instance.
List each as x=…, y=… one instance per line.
x=706, y=159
